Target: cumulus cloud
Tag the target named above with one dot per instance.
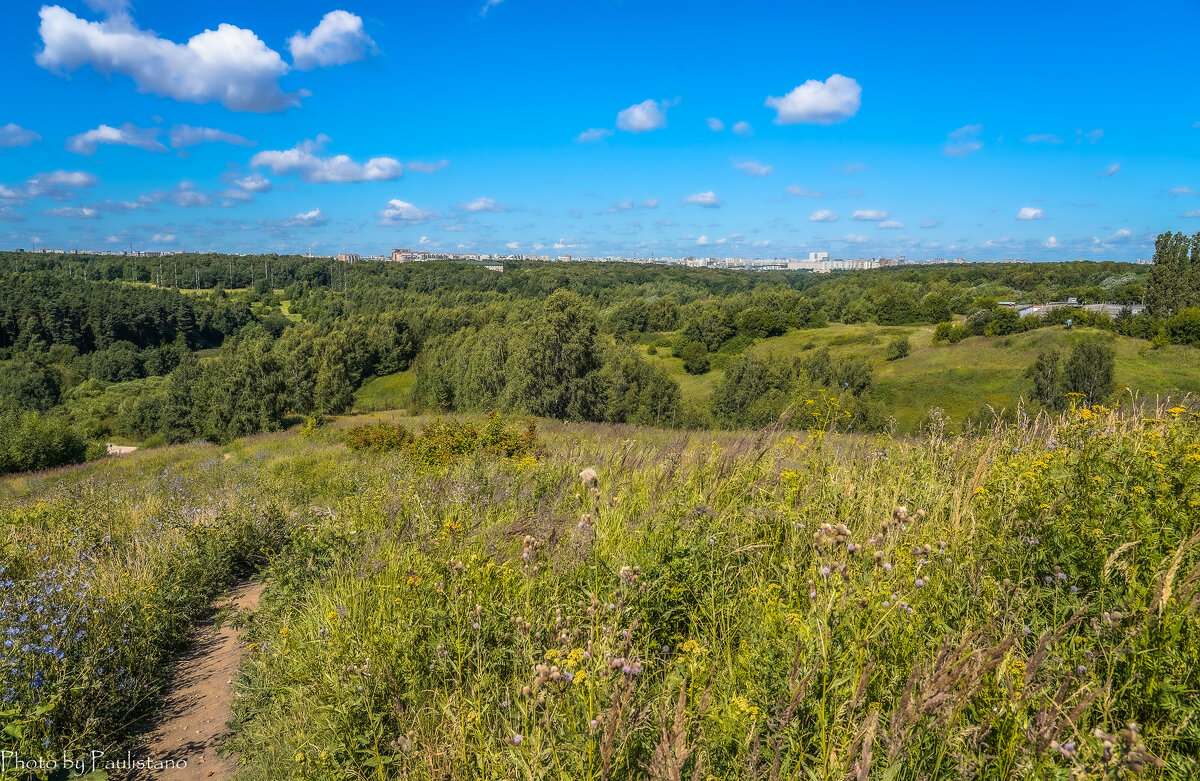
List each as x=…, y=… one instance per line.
x=121, y=207
x=254, y=183
x=9, y=214
x=1030, y=213
x=398, y=212
x=56, y=185
x=127, y=134
x=1192, y=213
x=1042, y=138
x=73, y=213
x=13, y=134
x=1051, y=242
x=708, y=200
x=931, y=224
x=593, y=134
x=803, y=192
x=488, y=4
x=643, y=117
x=743, y=128
x=714, y=124
x=183, y=194
x=481, y=205
x=854, y=238
x=309, y=219
x=752, y=167
x=869, y=215
x=1110, y=171
x=823, y=215
x=229, y=65
x=1181, y=191
x=890, y=225
x=1122, y=235
x=964, y=141
x=186, y=135
x=338, y=39
x=818, y=102
x=304, y=161
x=165, y=238
x=428, y=168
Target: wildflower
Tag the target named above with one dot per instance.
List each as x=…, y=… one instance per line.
x=920, y=582
x=825, y=572
x=589, y=477
x=516, y=739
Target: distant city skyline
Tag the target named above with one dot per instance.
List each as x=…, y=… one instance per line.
x=532, y=127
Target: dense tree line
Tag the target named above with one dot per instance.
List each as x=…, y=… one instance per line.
x=556, y=364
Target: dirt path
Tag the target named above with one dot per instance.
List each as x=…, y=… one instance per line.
x=198, y=704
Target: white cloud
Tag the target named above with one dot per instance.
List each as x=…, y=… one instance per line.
x=1124, y=234
x=802, y=192
x=715, y=125
x=234, y=194
x=165, y=238
x=121, y=207
x=869, y=215
x=1192, y=213
x=13, y=134
x=186, y=135
x=964, y=141
x=743, y=128
x=513, y=244
x=1030, y=213
x=931, y=224
x=643, y=117
x=309, y=219
x=303, y=161
x=183, y=194
x=854, y=168
x=1181, y=191
x=428, y=168
x=229, y=65
x=1051, y=242
x=337, y=40
x=708, y=200
x=481, y=205
x=752, y=167
x=489, y=4
x=818, y=102
x=593, y=134
x=56, y=185
x=854, y=238
x=1092, y=136
x=890, y=225
x=254, y=183
x=127, y=134
x=1042, y=138
x=423, y=240
x=1112, y=169
x=73, y=213
x=823, y=215
x=399, y=212
x=9, y=214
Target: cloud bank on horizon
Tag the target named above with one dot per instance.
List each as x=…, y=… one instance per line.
x=258, y=130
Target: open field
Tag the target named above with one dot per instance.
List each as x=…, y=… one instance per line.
x=961, y=378
x=731, y=604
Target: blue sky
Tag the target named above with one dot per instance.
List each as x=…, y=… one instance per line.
x=1047, y=131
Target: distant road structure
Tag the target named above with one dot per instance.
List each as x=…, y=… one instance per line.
x=1109, y=309
x=119, y=450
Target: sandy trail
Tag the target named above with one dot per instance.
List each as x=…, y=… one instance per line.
x=199, y=702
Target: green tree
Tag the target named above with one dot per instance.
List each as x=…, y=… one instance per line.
x=553, y=367
x=695, y=357
x=934, y=308
x=1044, y=373
x=898, y=348
x=1174, y=281
x=1089, y=370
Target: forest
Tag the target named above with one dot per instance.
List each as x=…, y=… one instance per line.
x=159, y=350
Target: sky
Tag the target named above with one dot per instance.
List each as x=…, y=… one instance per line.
x=1046, y=131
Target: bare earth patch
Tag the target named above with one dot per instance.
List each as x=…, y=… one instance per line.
x=197, y=706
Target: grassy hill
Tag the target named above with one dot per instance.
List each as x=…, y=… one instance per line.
x=961, y=378
x=623, y=602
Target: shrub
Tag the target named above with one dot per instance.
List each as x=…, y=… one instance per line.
x=898, y=348
x=378, y=437
x=695, y=358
